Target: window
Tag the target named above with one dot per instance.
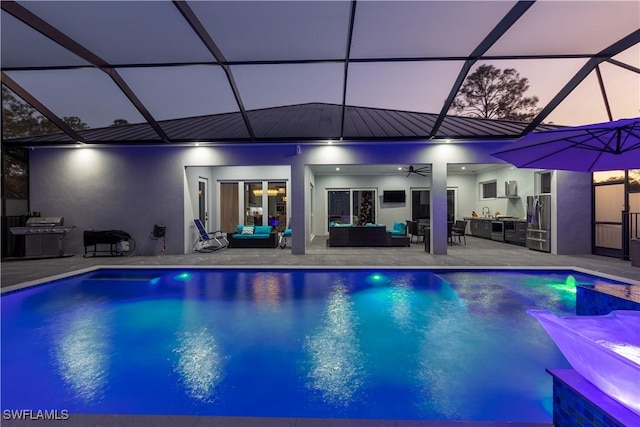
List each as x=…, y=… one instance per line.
x=489, y=190
x=608, y=177
x=544, y=179
x=634, y=180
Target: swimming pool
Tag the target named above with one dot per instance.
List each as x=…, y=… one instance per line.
x=388, y=344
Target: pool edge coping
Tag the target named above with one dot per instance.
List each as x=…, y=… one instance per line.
x=81, y=271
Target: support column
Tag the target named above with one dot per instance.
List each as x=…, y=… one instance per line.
x=298, y=203
x=439, y=208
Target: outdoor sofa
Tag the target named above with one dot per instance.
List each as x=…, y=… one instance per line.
x=259, y=236
x=369, y=235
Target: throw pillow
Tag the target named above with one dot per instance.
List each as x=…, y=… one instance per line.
x=247, y=229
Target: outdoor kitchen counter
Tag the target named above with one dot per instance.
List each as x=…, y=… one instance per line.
x=485, y=227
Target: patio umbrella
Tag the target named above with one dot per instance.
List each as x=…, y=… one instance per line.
x=596, y=147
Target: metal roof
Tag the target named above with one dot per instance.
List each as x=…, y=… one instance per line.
x=305, y=122
x=307, y=70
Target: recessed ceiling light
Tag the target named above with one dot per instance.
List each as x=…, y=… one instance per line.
x=464, y=167
x=400, y=168
x=337, y=169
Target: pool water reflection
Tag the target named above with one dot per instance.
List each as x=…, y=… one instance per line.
x=388, y=344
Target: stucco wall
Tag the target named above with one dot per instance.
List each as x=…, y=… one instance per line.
x=573, y=213
x=125, y=188
x=133, y=188
x=515, y=207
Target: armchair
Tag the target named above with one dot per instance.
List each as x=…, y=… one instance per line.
x=414, y=230
x=399, y=229
x=458, y=230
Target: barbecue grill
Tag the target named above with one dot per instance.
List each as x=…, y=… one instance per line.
x=44, y=236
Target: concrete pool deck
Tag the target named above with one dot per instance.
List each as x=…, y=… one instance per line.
x=477, y=253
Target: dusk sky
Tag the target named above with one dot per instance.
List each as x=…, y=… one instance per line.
x=154, y=32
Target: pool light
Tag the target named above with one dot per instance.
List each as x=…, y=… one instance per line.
x=376, y=279
x=183, y=277
x=569, y=285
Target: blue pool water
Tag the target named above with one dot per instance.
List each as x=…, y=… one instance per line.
x=390, y=344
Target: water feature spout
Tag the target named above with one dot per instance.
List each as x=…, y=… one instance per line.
x=605, y=350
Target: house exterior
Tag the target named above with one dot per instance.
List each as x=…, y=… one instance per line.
x=263, y=87
x=132, y=188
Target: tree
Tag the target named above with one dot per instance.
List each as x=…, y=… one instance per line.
x=16, y=173
x=119, y=122
x=365, y=209
x=20, y=119
x=75, y=123
x=492, y=93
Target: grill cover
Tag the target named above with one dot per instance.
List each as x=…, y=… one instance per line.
x=97, y=237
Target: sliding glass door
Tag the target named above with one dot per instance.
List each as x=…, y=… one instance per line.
x=339, y=207
x=253, y=203
x=262, y=203
x=421, y=204
x=277, y=204
x=352, y=206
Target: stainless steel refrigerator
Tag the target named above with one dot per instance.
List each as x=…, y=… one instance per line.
x=539, y=223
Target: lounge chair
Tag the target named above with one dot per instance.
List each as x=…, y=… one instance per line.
x=208, y=241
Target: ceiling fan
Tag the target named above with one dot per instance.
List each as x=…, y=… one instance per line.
x=420, y=170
